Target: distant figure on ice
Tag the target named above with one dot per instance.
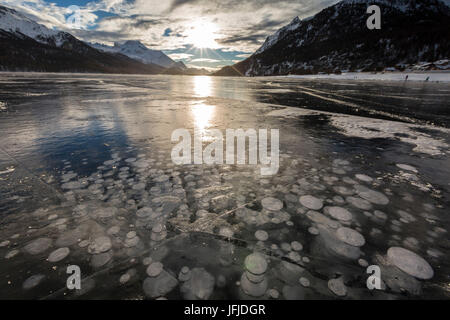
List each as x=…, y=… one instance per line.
x=428, y=78
x=406, y=78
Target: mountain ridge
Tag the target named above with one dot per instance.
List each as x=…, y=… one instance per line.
x=138, y=51
x=336, y=39
x=26, y=45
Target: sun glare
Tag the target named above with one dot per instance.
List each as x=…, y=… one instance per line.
x=202, y=34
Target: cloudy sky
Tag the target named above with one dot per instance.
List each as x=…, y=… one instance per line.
x=201, y=33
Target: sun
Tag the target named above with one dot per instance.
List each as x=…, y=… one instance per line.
x=202, y=34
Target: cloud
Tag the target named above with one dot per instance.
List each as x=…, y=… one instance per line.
x=204, y=60
x=243, y=55
x=242, y=25
x=180, y=56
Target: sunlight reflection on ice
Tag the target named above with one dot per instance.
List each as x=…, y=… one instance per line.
x=203, y=86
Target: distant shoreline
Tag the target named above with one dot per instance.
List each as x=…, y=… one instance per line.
x=433, y=76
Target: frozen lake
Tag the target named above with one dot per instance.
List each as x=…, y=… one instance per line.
x=86, y=179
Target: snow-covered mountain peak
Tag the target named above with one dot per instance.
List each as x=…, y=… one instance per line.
x=17, y=23
x=336, y=39
x=271, y=40
x=138, y=51
x=131, y=44
x=401, y=5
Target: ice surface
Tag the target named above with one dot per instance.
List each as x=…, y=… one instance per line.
x=94, y=185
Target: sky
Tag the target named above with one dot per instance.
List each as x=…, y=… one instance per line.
x=201, y=33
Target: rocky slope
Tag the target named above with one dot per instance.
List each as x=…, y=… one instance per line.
x=28, y=46
x=337, y=39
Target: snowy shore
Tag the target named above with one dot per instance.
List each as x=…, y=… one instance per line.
x=440, y=76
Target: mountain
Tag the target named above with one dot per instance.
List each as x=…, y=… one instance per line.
x=14, y=22
x=338, y=39
x=137, y=51
x=28, y=46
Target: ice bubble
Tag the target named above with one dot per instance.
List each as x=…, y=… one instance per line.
x=33, y=281
x=131, y=242
x=440, y=230
x=290, y=197
x=339, y=171
x=434, y=253
x=359, y=203
x=68, y=176
x=58, y=254
x=100, y=245
x=99, y=260
x=155, y=269
x=273, y=293
x=364, y=178
x=255, y=264
x=147, y=261
x=410, y=263
x=338, y=287
x=38, y=246
x=84, y=243
x=144, y=212
x=131, y=234
x=350, y=236
x=294, y=256
x=114, y=230
x=253, y=289
x=261, y=235
x=311, y=202
x=304, y=282
x=221, y=281
x=199, y=286
x=139, y=186
x=296, y=246
x=226, y=232
x=4, y=243
x=338, y=213
x=406, y=216
x=157, y=228
x=313, y=231
x=222, y=202
x=380, y=215
x=343, y=190
x=407, y=167
x=411, y=242
x=321, y=219
x=286, y=247
x=340, y=162
x=124, y=278
x=12, y=254
x=161, y=178
x=185, y=274
x=271, y=204
x=73, y=185
x=159, y=286
x=105, y=212
x=363, y=263
x=371, y=195
x=338, y=199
